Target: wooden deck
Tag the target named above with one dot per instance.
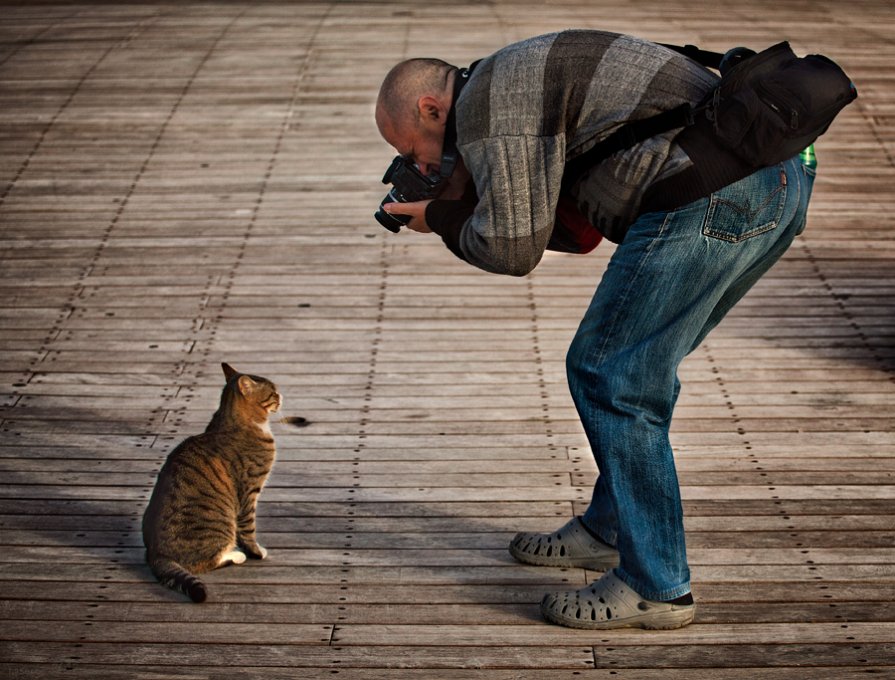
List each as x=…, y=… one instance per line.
x=188, y=183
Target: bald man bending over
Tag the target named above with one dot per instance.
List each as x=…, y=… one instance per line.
x=694, y=229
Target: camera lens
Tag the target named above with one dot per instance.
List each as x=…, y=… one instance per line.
x=391, y=222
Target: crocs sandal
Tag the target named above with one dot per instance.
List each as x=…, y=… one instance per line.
x=569, y=546
x=611, y=603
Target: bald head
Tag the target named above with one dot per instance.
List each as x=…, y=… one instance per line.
x=405, y=84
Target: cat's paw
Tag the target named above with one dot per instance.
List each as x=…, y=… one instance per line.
x=253, y=549
x=233, y=557
x=257, y=552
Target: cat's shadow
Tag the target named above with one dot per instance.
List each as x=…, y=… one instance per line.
x=116, y=562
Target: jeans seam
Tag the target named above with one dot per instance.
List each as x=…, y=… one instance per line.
x=623, y=299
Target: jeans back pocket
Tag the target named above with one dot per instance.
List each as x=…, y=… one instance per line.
x=747, y=208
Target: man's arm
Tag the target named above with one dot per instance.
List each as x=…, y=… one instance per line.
x=517, y=181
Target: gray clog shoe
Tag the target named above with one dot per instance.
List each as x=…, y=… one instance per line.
x=569, y=546
x=611, y=603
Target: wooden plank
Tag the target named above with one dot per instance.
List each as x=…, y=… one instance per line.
x=730, y=471
x=767, y=507
x=55, y=630
x=871, y=563
x=335, y=508
x=759, y=655
x=497, y=494
x=89, y=671
x=481, y=539
x=50, y=407
x=822, y=526
x=417, y=613
x=297, y=656
x=699, y=636
x=351, y=587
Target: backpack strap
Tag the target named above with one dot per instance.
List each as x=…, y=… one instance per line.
x=640, y=130
x=704, y=57
x=625, y=137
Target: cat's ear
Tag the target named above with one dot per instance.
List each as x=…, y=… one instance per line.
x=229, y=371
x=246, y=385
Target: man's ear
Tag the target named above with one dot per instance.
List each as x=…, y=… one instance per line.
x=430, y=109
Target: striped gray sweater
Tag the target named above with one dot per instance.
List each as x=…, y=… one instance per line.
x=534, y=105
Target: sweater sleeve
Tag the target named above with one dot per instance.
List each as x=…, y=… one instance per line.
x=517, y=180
x=446, y=218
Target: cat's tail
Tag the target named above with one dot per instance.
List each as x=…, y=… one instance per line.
x=171, y=574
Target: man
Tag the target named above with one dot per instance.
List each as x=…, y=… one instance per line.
x=695, y=230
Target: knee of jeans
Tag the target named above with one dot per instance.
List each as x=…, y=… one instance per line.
x=621, y=382
x=583, y=367
x=574, y=361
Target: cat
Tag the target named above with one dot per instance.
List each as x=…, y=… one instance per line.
x=201, y=515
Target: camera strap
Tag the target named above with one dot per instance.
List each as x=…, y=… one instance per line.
x=449, y=153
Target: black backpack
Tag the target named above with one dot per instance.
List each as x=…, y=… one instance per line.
x=768, y=107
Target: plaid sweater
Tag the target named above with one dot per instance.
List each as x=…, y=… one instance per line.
x=534, y=105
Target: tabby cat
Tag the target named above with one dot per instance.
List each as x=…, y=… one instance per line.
x=202, y=512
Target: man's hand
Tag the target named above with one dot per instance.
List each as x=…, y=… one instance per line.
x=453, y=190
x=417, y=212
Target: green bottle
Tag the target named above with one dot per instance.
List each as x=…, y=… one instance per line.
x=808, y=158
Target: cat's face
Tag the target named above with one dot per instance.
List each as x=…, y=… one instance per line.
x=254, y=392
x=262, y=392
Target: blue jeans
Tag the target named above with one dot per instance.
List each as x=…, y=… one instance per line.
x=667, y=285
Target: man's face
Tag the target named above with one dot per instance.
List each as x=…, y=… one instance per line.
x=422, y=142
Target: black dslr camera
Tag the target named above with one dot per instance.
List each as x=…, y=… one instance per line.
x=409, y=186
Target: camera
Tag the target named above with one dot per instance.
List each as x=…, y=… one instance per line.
x=408, y=186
